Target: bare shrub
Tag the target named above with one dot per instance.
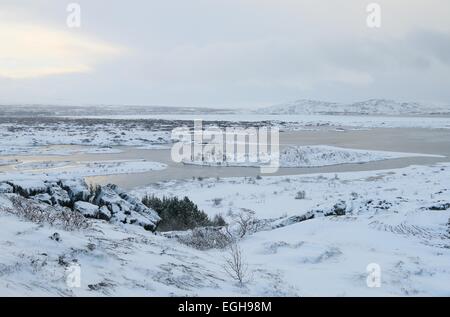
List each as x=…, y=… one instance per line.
x=34, y=212
x=245, y=219
x=219, y=221
x=71, y=220
x=206, y=238
x=29, y=210
x=235, y=266
x=217, y=201
x=448, y=227
x=300, y=195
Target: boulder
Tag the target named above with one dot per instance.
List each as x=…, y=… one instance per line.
x=339, y=209
x=104, y=213
x=86, y=209
x=440, y=206
x=109, y=202
x=106, y=196
x=293, y=219
x=59, y=196
x=5, y=188
x=27, y=188
x=76, y=188
x=43, y=198
x=125, y=208
x=136, y=205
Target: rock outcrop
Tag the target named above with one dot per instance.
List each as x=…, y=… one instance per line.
x=110, y=202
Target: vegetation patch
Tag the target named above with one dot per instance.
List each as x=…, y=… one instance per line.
x=180, y=214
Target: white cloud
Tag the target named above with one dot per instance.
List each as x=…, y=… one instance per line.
x=224, y=52
x=29, y=51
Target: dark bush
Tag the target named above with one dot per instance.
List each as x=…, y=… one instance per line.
x=180, y=214
x=219, y=221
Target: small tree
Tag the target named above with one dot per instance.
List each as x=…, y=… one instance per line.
x=180, y=214
x=245, y=220
x=300, y=195
x=235, y=265
x=219, y=221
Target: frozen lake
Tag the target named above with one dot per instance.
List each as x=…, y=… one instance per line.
x=426, y=141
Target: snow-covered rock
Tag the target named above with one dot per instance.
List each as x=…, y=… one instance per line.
x=43, y=198
x=126, y=208
x=76, y=188
x=104, y=213
x=440, y=206
x=108, y=202
x=87, y=209
x=58, y=195
x=28, y=188
x=339, y=209
x=5, y=188
x=107, y=196
x=136, y=204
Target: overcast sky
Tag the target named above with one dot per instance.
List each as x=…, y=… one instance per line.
x=220, y=53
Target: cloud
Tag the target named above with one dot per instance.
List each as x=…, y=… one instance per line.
x=224, y=52
x=30, y=51
x=434, y=44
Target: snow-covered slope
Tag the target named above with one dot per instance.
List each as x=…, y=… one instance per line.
x=395, y=219
x=371, y=107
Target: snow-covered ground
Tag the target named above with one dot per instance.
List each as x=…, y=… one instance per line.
x=68, y=169
x=394, y=218
x=50, y=137
x=305, y=121
x=312, y=235
x=324, y=155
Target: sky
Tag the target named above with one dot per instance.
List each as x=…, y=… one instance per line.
x=223, y=53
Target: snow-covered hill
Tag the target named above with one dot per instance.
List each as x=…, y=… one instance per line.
x=370, y=107
x=318, y=243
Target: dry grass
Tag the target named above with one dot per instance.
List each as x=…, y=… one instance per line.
x=35, y=212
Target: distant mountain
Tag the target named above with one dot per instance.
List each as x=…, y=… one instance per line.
x=302, y=106
x=98, y=110
x=368, y=107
